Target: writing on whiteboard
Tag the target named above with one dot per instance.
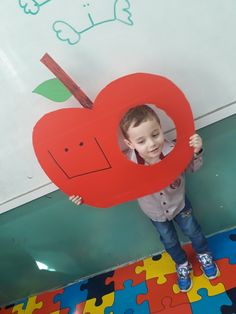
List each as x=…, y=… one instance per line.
x=71, y=34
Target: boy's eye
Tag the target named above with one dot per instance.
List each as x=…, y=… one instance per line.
x=155, y=134
x=140, y=142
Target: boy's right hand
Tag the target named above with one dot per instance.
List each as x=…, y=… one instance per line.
x=76, y=199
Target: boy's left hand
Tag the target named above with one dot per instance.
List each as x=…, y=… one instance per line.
x=195, y=141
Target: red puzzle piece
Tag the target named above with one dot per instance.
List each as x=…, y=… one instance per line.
x=122, y=274
x=78, y=148
x=157, y=292
x=227, y=274
x=48, y=302
x=7, y=310
x=193, y=259
x=170, y=309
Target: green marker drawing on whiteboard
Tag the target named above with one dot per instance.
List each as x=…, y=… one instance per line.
x=119, y=11
x=32, y=6
x=71, y=35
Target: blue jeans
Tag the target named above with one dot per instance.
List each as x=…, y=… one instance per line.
x=189, y=226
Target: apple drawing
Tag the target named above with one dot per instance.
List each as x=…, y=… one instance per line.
x=78, y=147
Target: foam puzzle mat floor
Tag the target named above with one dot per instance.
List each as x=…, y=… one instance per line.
x=146, y=286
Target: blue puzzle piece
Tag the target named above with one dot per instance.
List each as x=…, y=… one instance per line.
x=125, y=300
x=129, y=311
x=222, y=246
x=211, y=305
x=72, y=296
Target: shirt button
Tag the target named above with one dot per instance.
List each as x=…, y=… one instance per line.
x=167, y=211
x=161, y=193
x=164, y=203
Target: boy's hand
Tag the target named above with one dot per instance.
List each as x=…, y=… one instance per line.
x=76, y=199
x=195, y=141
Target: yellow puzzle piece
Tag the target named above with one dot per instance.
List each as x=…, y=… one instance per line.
x=107, y=300
x=159, y=268
x=30, y=307
x=198, y=283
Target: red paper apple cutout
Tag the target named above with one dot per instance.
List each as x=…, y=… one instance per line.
x=78, y=148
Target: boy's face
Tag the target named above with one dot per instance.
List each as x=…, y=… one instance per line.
x=147, y=139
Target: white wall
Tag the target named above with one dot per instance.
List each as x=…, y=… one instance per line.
x=191, y=42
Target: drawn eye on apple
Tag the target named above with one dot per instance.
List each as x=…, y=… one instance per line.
x=87, y=153
x=84, y=158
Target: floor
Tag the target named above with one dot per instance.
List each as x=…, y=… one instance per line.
x=49, y=242
x=146, y=286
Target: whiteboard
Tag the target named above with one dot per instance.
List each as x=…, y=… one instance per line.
x=191, y=42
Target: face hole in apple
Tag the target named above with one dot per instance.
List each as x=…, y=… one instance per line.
x=81, y=144
x=66, y=149
x=127, y=146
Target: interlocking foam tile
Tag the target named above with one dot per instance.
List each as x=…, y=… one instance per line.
x=147, y=286
x=65, y=311
x=222, y=246
x=80, y=308
x=208, y=304
x=71, y=296
x=122, y=274
x=168, y=307
x=91, y=308
x=232, y=237
x=225, y=309
x=22, y=303
x=156, y=292
x=6, y=310
x=227, y=272
x=198, y=283
x=157, y=268
x=47, y=299
x=125, y=300
x=30, y=307
x=97, y=287
x=193, y=259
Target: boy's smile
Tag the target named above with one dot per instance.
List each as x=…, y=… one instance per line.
x=147, y=139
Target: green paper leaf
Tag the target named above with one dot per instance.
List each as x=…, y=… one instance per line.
x=54, y=90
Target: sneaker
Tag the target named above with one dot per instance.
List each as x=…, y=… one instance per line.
x=209, y=267
x=184, y=278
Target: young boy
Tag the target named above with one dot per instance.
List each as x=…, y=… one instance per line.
x=143, y=134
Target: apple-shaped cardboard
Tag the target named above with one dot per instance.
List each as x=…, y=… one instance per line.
x=78, y=148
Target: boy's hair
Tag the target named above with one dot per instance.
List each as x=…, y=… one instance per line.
x=135, y=116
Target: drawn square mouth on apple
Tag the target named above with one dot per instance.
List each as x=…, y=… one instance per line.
x=79, y=157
